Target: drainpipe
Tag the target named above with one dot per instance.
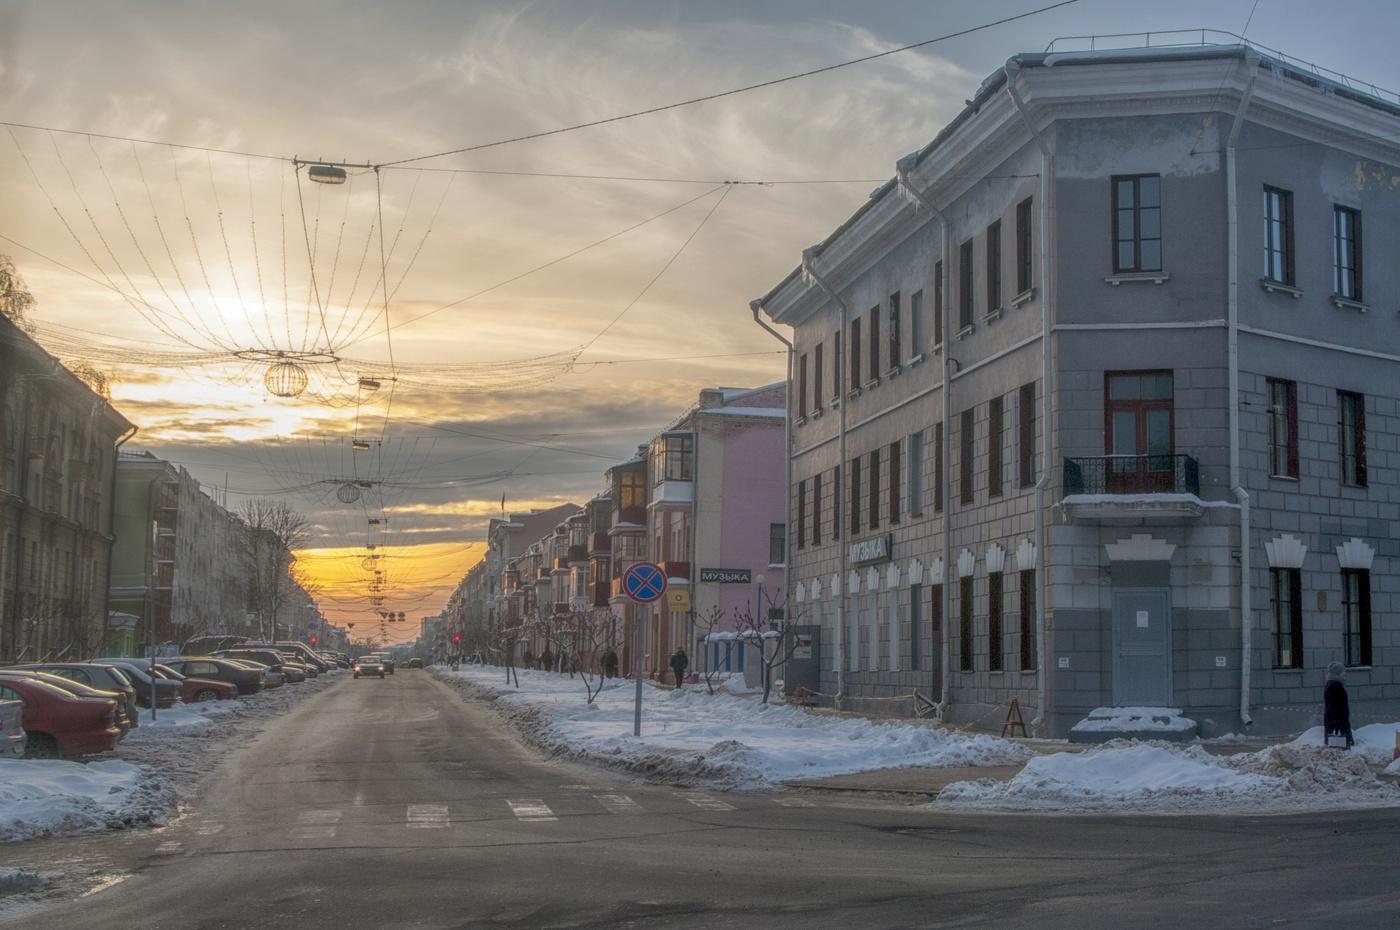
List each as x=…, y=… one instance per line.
x=902, y=169
x=112, y=534
x=1233, y=351
x=756, y=306
x=1047, y=315
x=839, y=621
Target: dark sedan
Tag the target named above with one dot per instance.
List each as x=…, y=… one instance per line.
x=369, y=665
x=246, y=680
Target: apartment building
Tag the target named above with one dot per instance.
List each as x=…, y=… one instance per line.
x=1096, y=401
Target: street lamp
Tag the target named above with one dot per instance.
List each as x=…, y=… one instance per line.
x=758, y=580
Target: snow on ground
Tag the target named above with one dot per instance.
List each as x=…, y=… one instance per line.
x=730, y=741
x=140, y=782
x=723, y=741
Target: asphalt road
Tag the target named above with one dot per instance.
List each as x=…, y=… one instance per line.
x=394, y=803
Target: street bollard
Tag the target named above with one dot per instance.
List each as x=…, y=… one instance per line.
x=1396, y=753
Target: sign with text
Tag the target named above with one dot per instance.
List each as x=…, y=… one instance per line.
x=727, y=575
x=871, y=550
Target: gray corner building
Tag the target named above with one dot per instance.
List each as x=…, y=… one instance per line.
x=1096, y=403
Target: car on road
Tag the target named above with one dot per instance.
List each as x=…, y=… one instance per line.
x=11, y=729
x=369, y=665
x=94, y=675
x=246, y=680
x=414, y=663
x=388, y=661
x=58, y=723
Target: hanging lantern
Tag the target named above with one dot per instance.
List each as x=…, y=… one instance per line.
x=359, y=445
x=347, y=494
x=286, y=379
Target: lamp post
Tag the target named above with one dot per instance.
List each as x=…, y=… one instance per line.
x=758, y=629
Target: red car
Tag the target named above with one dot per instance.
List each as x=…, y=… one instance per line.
x=195, y=690
x=61, y=724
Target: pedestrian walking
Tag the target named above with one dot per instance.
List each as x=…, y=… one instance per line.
x=610, y=664
x=546, y=660
x=1336, y=714
x=575, y=664
x=679, y=663
x=527, y=658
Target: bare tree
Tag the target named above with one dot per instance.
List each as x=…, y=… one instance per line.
x=598, y=632
x=274, y=531
x=15, y=299
x=775, y=644
x=707, y=624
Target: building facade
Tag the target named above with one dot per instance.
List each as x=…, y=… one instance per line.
x=1095, y=402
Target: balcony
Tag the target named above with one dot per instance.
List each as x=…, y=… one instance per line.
x=600, y=544
x=1132, y=489
x=578, y=553
x=677, y=570
x=561, y=564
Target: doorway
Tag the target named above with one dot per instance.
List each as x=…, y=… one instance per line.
x=1142, y=655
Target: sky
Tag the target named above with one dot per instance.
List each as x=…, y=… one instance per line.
x=531, y=311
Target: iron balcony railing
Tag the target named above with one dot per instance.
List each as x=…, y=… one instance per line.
x=1132, y=474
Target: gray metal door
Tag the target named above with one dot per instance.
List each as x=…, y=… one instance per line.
x=1142, y=641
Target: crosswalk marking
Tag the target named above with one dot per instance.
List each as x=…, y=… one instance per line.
x=316, y=824
x=793, y=802
x=619, y=804
x=427, y=816
x=704, y=801
x=531, y=810
x=169, y=848
x=208, y=829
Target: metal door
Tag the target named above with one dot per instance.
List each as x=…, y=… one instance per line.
x=1142, y=654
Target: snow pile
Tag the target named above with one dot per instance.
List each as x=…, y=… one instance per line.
x=1134, y=722
x=722, y=741
x=1126, y=775
x=17, y=881
x=52, y=798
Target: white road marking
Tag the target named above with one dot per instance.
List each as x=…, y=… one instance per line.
x=619, y=804
x=427, y=816
x=170, y=847
x=531, y=810
x=209, y=829
x=793, y=802
x=701, y=800
x=316, y=824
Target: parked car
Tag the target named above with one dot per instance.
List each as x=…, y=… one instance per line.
x=415, y=662
x=11, y=729
x=96, y=675
x=167, y=691
x=369, y=665
x=334, y=660
x=245, y=680
x=107, y=678
x=198, y=690
x=388, y=661
x=292, y=651
x=272, y=658
x=123, y=722
x=57, y=723
x=272, y=678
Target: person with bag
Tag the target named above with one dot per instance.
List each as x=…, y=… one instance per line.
x=1336, y=714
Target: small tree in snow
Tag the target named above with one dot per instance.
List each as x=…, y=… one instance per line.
x=707, y=624
x=599, y=632
x=770, y=634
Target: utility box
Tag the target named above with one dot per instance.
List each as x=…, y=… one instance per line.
x=803, y=667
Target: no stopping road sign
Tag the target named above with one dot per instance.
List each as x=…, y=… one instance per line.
x=644, y=582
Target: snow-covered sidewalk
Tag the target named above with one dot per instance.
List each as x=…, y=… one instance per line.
x=733, y=741
x=140, y=782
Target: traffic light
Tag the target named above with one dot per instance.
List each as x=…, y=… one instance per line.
x=313, y=640
x=456, y=639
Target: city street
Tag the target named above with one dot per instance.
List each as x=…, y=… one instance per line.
x=392, y=803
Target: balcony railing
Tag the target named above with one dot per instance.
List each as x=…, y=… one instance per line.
x=1132, y=474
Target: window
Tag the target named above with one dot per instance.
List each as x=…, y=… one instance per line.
x=916, y=324
x=673, y=457
x=632, y=489
x=1028, y=650
x=914, y=475
x=965, y=300
x=837, y=374
x=995, y=659
x=802, y=386
x=1351, y=436
x=1278, y=235
x=1137, y=223
x=938, y=468
x=777, y=543
x=965, y=436
x=817, y=509
x=1346, y=253
x=994, y=267
x=873, y=480
x=1138, y=425
x=965, y=624
x=817, y=377
x=1283, y=428
x=1356, y=615
x=894, y=481
x=938, y=304
x=916, y=620
x=1026, y=453
x=855, y=355
x=895, y=348
x=855, y=495
x=802, y=514
x=996, y=414
x=1286, y=595
x=874, y=317
x=1024, y=243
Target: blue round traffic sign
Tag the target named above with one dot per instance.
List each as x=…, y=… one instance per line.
x=644, y=582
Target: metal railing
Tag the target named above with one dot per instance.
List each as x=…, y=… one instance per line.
x=1132, y=474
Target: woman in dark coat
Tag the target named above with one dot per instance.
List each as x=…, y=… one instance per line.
x=610, y=664
x=1336, y=714
x=679, y=663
